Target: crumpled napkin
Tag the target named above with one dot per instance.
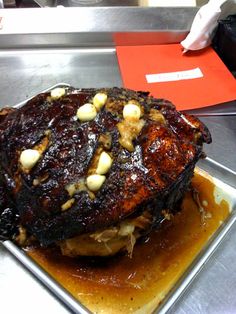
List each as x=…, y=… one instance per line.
x=205, y=23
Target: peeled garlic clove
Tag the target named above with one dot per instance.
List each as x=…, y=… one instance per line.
x=58, y=92
x=131, y=112
x=29, y=157
x=104, y=163
x=67, y=204
x=87, y=112
x=95, y=181
x=99, y=100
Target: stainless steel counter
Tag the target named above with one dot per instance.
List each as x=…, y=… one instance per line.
x=102, y=3
x=29, y=68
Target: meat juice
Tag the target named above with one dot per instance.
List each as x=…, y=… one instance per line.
x=138, y=284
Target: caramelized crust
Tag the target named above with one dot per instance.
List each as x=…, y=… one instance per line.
x=152, y=177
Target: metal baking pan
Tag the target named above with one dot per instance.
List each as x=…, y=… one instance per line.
x=225, y=182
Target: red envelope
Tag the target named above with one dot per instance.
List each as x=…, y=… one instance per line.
x=217, y=85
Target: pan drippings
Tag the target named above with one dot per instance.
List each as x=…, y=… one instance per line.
x=120, y=284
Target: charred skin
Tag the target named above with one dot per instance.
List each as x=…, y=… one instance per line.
x=9, y=217
x=152, y=177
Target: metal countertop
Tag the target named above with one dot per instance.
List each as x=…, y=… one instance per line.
x=25, y=71
x=101, y=3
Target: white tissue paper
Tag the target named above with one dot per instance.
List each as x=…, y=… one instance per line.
x=205, y=23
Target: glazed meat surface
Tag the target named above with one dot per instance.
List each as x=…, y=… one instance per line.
x=52, y=200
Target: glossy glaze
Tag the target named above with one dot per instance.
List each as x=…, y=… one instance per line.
x=152, y=177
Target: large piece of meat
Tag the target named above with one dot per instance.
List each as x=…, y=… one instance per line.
x=149, y=177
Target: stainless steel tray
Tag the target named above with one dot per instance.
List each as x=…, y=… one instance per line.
x=225, y=181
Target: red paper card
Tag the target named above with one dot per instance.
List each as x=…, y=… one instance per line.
x=217, y=85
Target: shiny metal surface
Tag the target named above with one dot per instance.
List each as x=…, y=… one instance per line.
x=29, y=72
x=93, y=27
x=138, y=3
x=112, y=3
x=16, y=282
x=226, y=109
x=49, y=282
x=127, y=19
x=223, y=130
x=25, y=72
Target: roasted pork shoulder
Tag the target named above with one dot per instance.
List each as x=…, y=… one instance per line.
x=92, y=170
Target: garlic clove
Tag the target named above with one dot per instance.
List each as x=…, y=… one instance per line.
x=95, y=181
x=131, y=112
x=104, y=163
x=99, y=100
x=67, y=204
x=58, y=92
x=87, y=112
x=29, y=157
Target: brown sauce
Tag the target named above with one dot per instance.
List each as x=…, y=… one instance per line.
x=124, y=285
